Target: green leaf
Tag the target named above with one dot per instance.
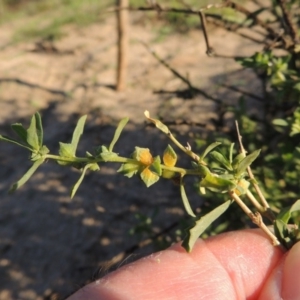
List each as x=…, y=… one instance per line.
x=108, y=156
x=149, y=177
x=202, y=169
x=217, y=184
x=27, y=175
x=236, y=161
x=231, y=152
x=286, y=213
x=185, y=200
x=39, y=129
x=32, y=134
x=77, y=133
x=201, y=224
x=69, y=149
x=118, y=131
x=94, y=167
x=20, y=131
x=280, y=122
x=10, y=140
x=129, y=169
x=219, y=157
x=286, y=236
x=157, y=123
x=44, y=150
x=208, y=149
x=246, y=162
x=79, y=181
x=65, y=150
x=156, y=166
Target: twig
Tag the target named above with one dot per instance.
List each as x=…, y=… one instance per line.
x=35, y=86
x=288, y=20
x=254, y=201
x=253, y=17
x=209, y=50
x=122, y=56
x=178, y=75
x=256, y=218
x=250, y=15
x=233, y=88
x=255, y=185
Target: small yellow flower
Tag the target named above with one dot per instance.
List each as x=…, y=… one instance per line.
x=143, y=155
x=147, y=164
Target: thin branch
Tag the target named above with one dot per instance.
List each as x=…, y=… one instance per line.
x=256, y=218
x=255, y=185
x=122, y=55
x=253, y=17
x=250, y=15
x=209, y=50
x=233, y=88
x=288, y=20
x=35, y=86
x=181, y=77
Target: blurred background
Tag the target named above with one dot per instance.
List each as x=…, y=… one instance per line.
x=67, y=58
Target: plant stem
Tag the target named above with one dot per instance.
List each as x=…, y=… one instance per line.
x=255, y=185
x=119, y=159
x=254, y=201
x=256, y=218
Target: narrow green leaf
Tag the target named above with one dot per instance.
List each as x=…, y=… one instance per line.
x=286, y=213
x=77, y=133
x=285, y=236
x=32, y=134
x=118, y=131
x=208, y=149
x=89, y=155
x=185, y=200
x=221, y=159
x=231, y=152
x=201, y=224
x=129, y=169
x=79, y=181
x=246, y=162
x=20, y=131
x=156, y=166
x=217, y=184
x=39, y=129
x=27, y=175
x=280, y=122
x=236, y=161
x=10, y=140
x=202, y=169
x=157, y=123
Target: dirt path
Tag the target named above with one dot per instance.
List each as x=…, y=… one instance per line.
x=49, y=244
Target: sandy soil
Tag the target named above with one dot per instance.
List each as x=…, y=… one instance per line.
x=51, y=245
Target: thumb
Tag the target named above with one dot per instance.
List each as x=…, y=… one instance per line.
x=285, y=278
x=291, y=274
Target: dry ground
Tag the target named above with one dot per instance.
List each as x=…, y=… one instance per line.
x=50, y=244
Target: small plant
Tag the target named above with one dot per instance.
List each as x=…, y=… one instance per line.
x=232, y=176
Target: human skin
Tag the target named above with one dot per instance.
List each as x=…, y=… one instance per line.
x=235, y=265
